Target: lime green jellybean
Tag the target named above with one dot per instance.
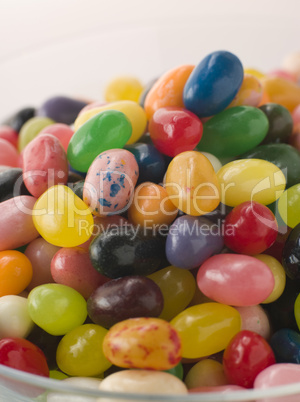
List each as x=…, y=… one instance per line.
x=31, y=129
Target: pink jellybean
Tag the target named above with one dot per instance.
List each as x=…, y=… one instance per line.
x=72, y=267
x=61, y=131
x=279, y=374
x=235, y=279
x=17, y=228
x=10, y=135
x=44, y=164
x=9, y=155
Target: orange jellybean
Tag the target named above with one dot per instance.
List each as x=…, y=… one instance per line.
x=15, y=272
x=151, y=206
x=168, y=89
x=283, y=92
x=192, y=183
x=250, y=93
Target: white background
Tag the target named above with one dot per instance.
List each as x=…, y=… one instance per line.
x=73, y=47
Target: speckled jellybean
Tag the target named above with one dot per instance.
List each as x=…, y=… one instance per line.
x=110, y=182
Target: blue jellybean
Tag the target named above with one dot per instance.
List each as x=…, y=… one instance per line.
x=286, y=346
x=213, y=84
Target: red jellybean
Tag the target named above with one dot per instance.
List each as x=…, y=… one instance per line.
x=245, y=357
x=23, y=355
x=174, y=130
x=250, y=228
x=9, y=156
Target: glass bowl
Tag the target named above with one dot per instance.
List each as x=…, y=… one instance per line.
x=83, y=46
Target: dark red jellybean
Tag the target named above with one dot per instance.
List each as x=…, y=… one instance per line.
x=174, y=130
x=122, y=298
x=250, y=228
x=246, y=355
x=23, y=355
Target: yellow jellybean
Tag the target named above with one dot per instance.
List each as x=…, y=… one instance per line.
x=279, y=276
x=132, y=110
x=250, y=180
x=62, y=218
x=206, y=328
x=258, y=74
x=177, y=286
x=250, y=93
x=144, y=343
x=123, y=88
x=289, y=206
x=282, y=91
x=192, y=184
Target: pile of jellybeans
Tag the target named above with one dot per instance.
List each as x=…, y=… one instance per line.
x=151, y=243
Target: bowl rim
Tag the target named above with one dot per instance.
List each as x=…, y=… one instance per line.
x=50, y=384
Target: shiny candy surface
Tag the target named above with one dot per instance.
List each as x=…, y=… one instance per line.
x=152, y=165
x=62, y=218
x=174, y=130
x=40, y=254
x=133, y=112
x=177, y=286
x=72, y=267
x=289, y=206
x=14, y=317
x=122, y=298
x=234, y=131
x=250, y=180
x=291, y=254
x=250, y=228
x=61, y=131
x=12, y=184
x=206, y=328
x=279, y=276
x=110, y=182
x=286, y=346
x=23, y=355
x=167, y=90
x=282, y=91
x=245, y=357
x=213, y=84
x=250, y=92
x=123, y=88
x=15, y=272
x=235, y=279
x=206, y=373
x=143, y=382
x=191, y=240
x=16, y=217
x=280, y=123
x=31, y=129
x=106, y=130
x=255, y=319
x=124, y=251
x=278, y=374
x=8, y=154
x=284, y=156
x=44, y=164
x=56, y=308
x=151, y=206
x=192, y=184
x=144, y=343
x=61, y=109
x=79, y=353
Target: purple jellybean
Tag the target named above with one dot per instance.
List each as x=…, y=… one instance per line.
x=191, y=240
